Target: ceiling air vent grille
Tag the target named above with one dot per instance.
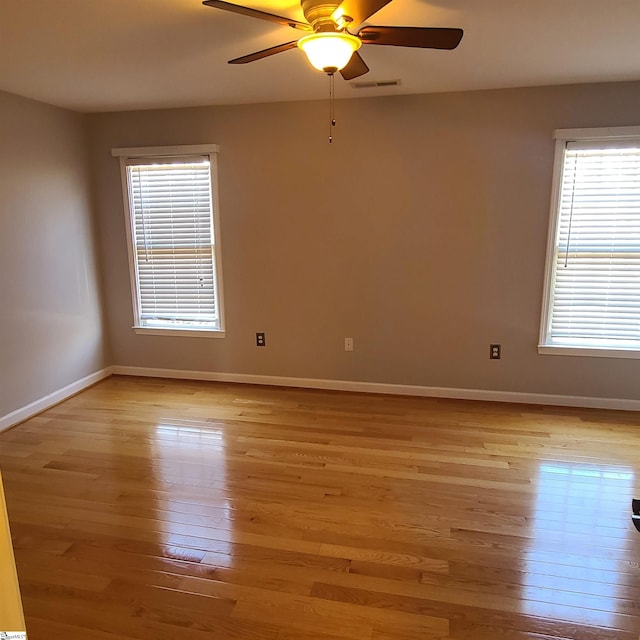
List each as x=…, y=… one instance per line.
x=374, y=84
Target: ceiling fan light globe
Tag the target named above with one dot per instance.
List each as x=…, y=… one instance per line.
x=329, y=52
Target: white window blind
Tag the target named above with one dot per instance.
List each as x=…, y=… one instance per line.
x=173, y=243
x=595, y=284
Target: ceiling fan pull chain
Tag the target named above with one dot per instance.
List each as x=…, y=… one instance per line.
x=332, y=119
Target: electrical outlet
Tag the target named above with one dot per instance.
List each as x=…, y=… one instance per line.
x=348, y=344
x=261, y=341
x=495, y=352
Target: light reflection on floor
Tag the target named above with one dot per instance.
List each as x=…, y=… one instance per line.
x=580, y=541
x=190, y=464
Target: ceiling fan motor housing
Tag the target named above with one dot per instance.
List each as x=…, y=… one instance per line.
x=318, y=13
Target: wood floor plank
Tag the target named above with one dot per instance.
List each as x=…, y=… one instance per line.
x=161, y=509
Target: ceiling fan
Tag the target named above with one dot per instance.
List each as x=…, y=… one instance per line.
x=330, y=46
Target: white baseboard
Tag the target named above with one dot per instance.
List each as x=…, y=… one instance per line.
x=40, y=405
x=36, y=407
x=391, y=389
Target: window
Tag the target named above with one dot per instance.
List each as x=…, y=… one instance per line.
x=592, y=290
x=170, y=199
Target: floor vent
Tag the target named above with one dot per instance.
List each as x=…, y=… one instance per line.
x=374, y=84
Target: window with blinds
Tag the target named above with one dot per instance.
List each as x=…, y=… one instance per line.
x=593, y=287
x=173, y=243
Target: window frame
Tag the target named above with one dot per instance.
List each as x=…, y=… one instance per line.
x=127, y=155
x=563, y=137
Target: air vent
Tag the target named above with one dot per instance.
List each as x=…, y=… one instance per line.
x=374, y=84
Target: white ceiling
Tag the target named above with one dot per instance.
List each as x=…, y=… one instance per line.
x=104, y=55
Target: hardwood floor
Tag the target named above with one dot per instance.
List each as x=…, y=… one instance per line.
x=168, y=510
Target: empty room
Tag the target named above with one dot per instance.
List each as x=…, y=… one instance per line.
x=320, y=320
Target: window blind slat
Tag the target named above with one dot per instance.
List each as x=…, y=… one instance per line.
x=172, y=232
x=596, y=280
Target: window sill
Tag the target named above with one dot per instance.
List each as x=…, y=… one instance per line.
x=184, y=333
x=598, y=352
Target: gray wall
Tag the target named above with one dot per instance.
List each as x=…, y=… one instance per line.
x=421, y=233
x=50, y=315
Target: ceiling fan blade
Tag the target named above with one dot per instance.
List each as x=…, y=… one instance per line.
x=265, y=53
x=423, y=37
x=254, y=13
x=355, y=68
x=358, y=10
